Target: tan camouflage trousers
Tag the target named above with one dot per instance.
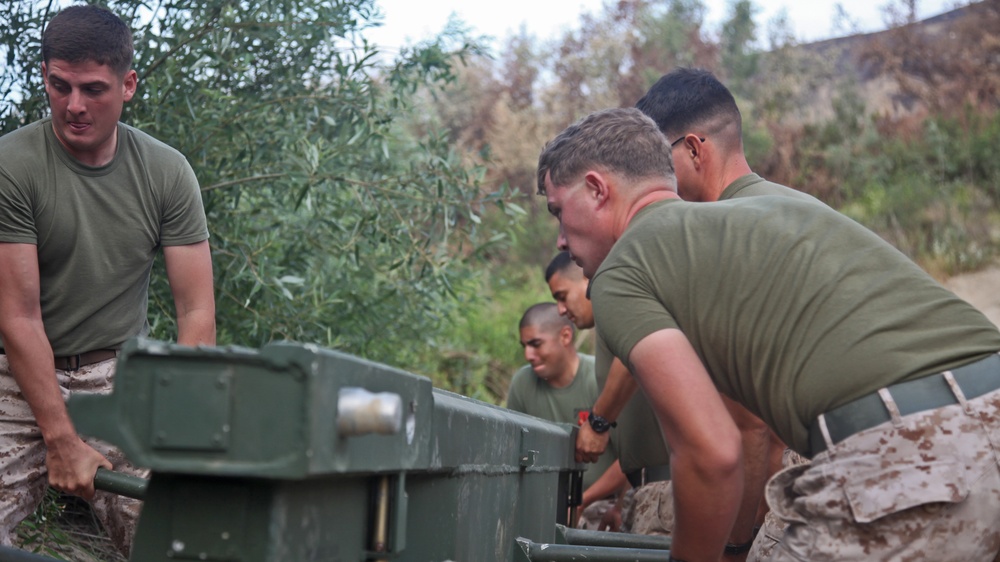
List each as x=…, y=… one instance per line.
x=591, y=517
x=23, y=479
x=649, y=509
x=773, y=527
x=921, y=487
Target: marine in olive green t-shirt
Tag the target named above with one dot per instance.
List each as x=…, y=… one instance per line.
x=793, y=308
x=531, y=395
x=638, y=437
x=97, y=230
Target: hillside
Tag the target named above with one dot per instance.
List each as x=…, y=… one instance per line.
x=907, y=71
x=980, y=289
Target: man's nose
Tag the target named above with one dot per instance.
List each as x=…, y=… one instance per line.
x=561, y=243
x=76, y=103
x=561, y=307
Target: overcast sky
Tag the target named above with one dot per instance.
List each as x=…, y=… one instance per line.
x=408, y=21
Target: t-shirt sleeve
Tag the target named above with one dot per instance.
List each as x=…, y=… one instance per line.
x=184, y=219
x=17, y=222
x=626, y=310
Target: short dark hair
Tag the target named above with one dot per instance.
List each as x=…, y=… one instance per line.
x=545, y=315
x=620, y=140
x=688, y=98
x=562, y=263
x=89, y=33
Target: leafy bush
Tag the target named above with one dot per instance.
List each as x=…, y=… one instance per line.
x=330, y=222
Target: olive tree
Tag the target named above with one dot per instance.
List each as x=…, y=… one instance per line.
x=329, y=223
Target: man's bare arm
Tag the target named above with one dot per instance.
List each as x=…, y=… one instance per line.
x=609, y=484
x=189, y=271
x=71, y=463
x=706, y=459
x=617, y=391
x=756, y=438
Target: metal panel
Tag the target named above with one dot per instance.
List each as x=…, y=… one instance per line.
x=205, y=399
x=324, y=457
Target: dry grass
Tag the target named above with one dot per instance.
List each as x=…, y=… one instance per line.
x=65, y=528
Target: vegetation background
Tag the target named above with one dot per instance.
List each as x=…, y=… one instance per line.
x=384, y=204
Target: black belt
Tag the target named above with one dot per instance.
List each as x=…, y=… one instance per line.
x=649, y=474
x=926, y=393
x=74, y=362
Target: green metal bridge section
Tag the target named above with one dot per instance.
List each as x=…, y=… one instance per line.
x=295, y=453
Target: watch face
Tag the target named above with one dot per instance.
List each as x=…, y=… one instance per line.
x=598, y=424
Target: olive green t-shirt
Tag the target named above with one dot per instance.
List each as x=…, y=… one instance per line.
x=533, y=396
x=638, y=437
x=752, y=185
x=793, y=308
x=96, y=229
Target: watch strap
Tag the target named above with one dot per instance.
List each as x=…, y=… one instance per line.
x=599, y=424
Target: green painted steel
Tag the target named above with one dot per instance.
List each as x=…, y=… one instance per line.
x=294, y=453
x=580, y=537
x=121, y=484
x=531, y=551
x=8, y=554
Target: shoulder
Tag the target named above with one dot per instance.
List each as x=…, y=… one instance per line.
x=520, y=388
x=148, y=146
x=166, y=169
x=24, y=146
x=19, y=135
x=587, y=371
x=522, y=377
x=752, y=185
x=644, y=234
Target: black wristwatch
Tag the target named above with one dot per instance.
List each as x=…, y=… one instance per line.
x=599, y=424
x=733, y=549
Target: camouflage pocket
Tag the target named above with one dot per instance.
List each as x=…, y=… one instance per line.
x=876, y=491
x=780, y=493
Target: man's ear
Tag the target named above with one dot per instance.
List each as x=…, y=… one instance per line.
x=598, y=186
x=129, y=83
x=694, y=148
x=566, y=336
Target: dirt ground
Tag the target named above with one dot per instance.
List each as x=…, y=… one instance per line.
x=981, y=288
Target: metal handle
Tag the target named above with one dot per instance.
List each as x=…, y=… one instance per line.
x=11, y=554
x=360, y=412
x=120, y=483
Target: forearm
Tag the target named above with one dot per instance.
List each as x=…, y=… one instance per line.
x=196, y=327
x=617, y=391
x=706, y=460
x=756, y=439
x=31, y=363
x=706, y=504
x=610, y=483
x=71, y=463
x=775, y=455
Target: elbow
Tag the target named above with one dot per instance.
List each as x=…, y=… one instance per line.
x=719, y=459
x=728, y=458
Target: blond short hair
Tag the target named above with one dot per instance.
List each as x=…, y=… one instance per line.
x=623, y=141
